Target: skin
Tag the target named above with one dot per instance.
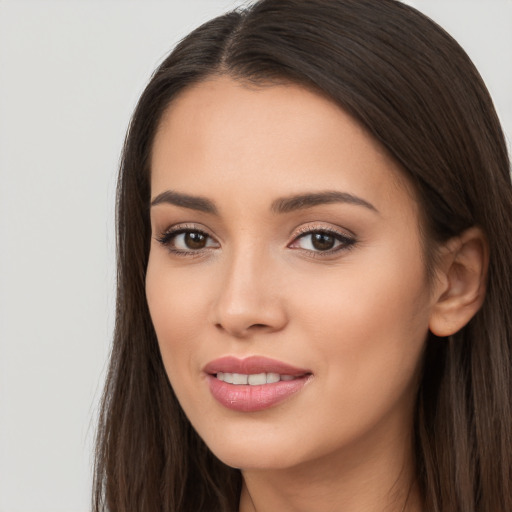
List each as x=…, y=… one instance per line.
x=356, y=318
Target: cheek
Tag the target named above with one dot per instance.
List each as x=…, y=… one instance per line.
x=176, y=302
x=369, y=325
x=364, y=293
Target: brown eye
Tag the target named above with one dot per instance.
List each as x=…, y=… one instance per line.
x=187, y=241
x=195, y=240
x=322, y=241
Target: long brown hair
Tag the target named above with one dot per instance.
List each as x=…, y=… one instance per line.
x=417, y=92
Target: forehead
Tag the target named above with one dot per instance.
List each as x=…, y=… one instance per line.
x=222, y=135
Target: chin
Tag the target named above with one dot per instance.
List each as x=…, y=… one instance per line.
x=261, y=450
x=256, y=458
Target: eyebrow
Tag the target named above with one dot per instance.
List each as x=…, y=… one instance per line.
x=185, y=201
x=280, y=206
x=302, y=201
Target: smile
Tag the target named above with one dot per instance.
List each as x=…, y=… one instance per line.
x=255, y=383
x=255, y=379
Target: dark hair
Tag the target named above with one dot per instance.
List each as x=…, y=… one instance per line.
x=416, y=91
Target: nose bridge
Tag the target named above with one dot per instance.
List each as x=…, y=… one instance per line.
x=248, y=299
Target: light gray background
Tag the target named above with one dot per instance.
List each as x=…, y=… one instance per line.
x=70, y=74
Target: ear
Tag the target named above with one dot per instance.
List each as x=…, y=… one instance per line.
x=460, y=288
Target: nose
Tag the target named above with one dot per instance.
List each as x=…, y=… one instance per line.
x=250, y=299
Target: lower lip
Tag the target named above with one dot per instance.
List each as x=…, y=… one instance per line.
x=247, y=398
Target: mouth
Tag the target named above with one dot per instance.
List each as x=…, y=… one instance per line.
x=254, y=379
x=254, y=365
x=255, y=383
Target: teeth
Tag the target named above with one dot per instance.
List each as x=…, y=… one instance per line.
x=228, y=377
x=273, y=377
x=256, y=379
x=240, y=378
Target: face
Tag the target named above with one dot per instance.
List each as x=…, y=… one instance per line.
x=285, y=280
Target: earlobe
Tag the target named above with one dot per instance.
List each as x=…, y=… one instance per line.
x=461, y=287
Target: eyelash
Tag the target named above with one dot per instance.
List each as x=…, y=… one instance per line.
x=166, y=239
x=345, y=241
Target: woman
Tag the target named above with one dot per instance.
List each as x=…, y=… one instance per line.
x=314, y=301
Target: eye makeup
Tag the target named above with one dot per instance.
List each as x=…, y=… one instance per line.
x=314, y=239
x=187, y=240
x=322, y=241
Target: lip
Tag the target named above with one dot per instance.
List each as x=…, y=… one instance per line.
x=252, y=365
x=247, y=398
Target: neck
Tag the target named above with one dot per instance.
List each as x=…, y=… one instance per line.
x=347, y=481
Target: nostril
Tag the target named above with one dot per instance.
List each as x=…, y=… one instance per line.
x=241, y=331
x=258, y=326
x=244, y=318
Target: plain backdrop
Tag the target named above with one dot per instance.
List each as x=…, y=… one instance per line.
x=70, y=74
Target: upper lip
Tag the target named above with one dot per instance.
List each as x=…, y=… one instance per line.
x=252, y=365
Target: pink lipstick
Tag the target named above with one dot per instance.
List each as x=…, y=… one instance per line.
x=255, y=383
